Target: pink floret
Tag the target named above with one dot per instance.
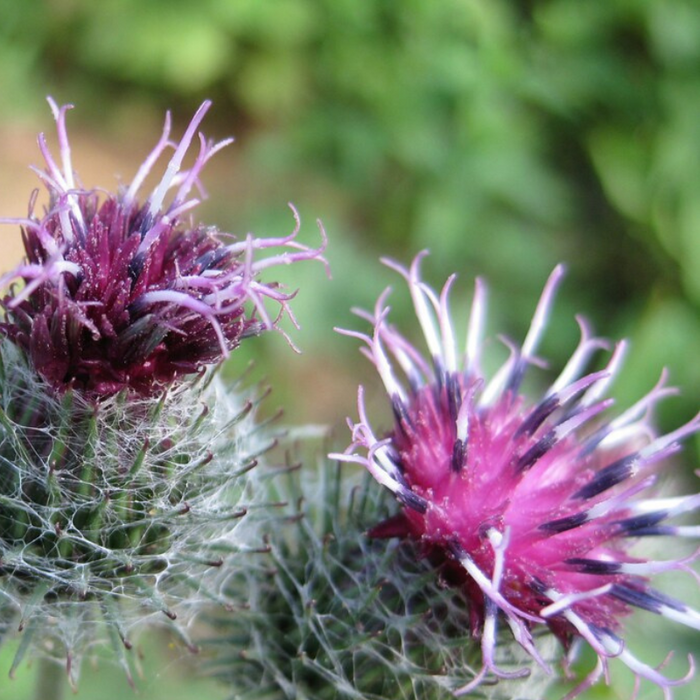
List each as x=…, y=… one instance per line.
x=531, y=508
x=115, y=294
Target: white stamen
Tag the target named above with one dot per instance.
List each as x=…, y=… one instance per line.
x=564, y=602
x=674, y=506
x=665, y=441
x=462, y=422
x=650, y=568
x=687, y=617
x=651, y=674
x=494, y=389
x=539, y=320
x=612, y=368
x=449, y=353
x=475, y=330
x=578, y=361
x=489, y=590
x=176, y=161
x=150, y=161
x=569, y=426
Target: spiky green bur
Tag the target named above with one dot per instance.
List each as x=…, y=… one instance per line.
x=115, y=511
x=331, y=613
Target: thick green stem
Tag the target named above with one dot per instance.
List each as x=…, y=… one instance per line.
x=50, y=680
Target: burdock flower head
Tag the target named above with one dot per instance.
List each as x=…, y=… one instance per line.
x=529, y=507
x=124, y=468
x=122, y=294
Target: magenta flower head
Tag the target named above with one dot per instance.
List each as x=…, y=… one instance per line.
x=530, y=507
x=118, y=293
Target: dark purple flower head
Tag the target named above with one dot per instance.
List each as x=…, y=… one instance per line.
x=530, y=507
x=120, y=294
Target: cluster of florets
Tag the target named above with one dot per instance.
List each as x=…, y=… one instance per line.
x=530, y=508
x=123, y=461
x=118, y=293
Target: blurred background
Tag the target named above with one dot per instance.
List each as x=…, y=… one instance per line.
x=503, y=136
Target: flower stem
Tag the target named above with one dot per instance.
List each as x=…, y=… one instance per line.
x=50, y=681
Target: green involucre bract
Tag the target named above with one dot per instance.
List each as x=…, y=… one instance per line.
x=331, y=613
x=115, y=512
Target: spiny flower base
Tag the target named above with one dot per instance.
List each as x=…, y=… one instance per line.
x=332, y=614
x=114, y=511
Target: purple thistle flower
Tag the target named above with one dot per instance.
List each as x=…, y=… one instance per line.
x=530, y=508
x=118, y=294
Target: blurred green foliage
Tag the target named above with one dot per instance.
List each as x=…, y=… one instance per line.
x=504, y=136
x=166, y=673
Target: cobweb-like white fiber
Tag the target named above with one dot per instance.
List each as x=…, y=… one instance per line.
x=331, y=613
x=116, y=513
